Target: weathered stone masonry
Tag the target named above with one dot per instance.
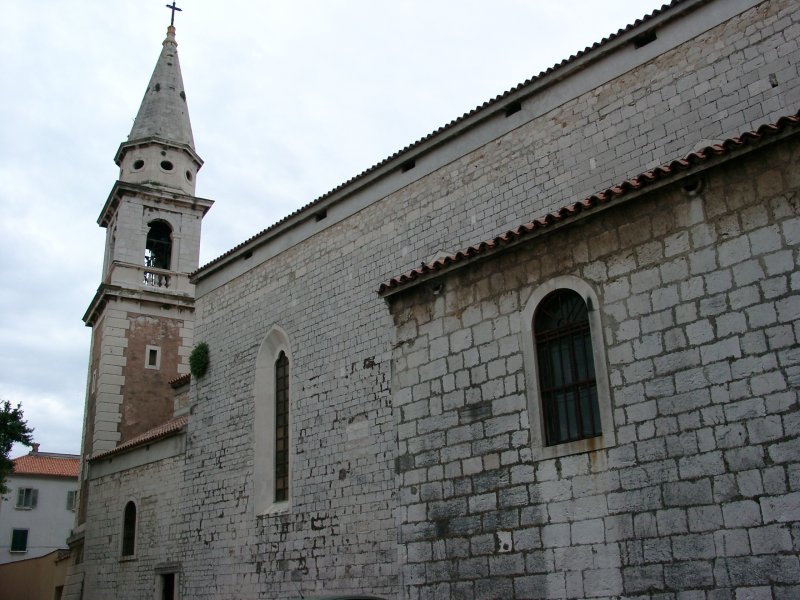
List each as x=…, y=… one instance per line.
x=152, y=486
x=321, y=291
x=698, y=296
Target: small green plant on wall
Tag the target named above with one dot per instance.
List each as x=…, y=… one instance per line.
x=198, y=360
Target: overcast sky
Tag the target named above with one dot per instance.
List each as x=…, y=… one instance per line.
x=288, y=99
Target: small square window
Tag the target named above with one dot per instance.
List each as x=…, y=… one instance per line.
x=19, y=540
x=27, y=498
x=72, y=500
x=152, y=357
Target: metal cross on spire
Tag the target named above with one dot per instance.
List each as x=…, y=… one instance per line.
x=173, y=8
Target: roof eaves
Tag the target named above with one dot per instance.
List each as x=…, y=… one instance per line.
x=181, y=380
x=152, y=295
x=488, y=108
x=699, y=159
x=158, y=192
x=45, y=475
x=160, y=432
x=130, y=144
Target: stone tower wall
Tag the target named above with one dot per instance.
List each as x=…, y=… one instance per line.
x=130, y=227
x=125, y=397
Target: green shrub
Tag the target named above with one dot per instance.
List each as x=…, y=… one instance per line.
x=198, y=360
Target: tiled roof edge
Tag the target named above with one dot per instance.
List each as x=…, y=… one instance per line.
x=45, y=475
x=483, y=107
x=159, y=432
x=663, y=172
x=181, y=380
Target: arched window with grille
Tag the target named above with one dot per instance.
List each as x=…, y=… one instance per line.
x=569, y=401
x=566, y=368
x=129, y=529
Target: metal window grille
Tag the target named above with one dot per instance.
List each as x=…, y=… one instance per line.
x=566, y=368
x=281, y=428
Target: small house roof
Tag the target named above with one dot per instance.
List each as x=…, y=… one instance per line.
x=47, y=464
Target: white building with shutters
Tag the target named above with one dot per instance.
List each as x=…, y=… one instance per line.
x=38, y=512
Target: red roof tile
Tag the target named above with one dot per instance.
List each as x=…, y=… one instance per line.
x=182, y=380
x=164, y=430
x=50, y=465
x=600, y=198
x=489, y=104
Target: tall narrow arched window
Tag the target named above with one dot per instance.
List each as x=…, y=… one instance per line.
x=158, y=248
x=272, y=425
x=567, y=382
x=281, y=427
x=129, y=529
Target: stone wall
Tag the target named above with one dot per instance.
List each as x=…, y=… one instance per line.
x=155, y=488
x=699, y=300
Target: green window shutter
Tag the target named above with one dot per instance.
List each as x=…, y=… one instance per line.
x=19, y=540
x=34, y=498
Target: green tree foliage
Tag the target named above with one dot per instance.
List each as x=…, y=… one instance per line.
x=13, y=428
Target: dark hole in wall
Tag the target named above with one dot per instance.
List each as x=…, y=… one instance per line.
x=692, y=186
x=408, y=165
x=644, y=38
x=513, y=107
x=442, y=527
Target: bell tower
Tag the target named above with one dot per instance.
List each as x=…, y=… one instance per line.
x=142, y=315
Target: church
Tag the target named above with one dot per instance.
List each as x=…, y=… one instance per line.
x=550, y=350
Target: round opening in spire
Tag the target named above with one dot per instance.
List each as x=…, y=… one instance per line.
x=167, y=165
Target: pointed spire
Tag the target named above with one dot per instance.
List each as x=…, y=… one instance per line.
x=164, y=113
